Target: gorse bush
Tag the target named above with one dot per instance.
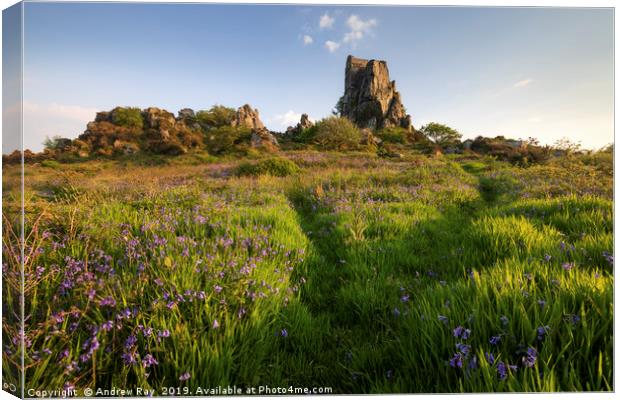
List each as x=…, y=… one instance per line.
x=272, y=166
x=217, y=116
x=227, y=138
x=395, y=135
x=129, y=117
x=334, y=133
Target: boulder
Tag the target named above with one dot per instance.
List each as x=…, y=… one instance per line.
x=368, y=138
x=155, y=118
x=264, y=139
x=247, y=117
x=370, y=99
x=125, y=147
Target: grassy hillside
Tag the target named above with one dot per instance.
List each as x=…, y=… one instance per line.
x=340, y=270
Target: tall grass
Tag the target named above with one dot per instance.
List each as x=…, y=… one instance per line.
x=354, y=273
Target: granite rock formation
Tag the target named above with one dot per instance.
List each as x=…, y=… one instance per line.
x=370, y=99
x=153, y=129
x=265, y=140
x=304, y=123
x=247, y=117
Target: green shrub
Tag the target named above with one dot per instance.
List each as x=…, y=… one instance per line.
x=334, y=133
x=226, y=138
x=50, y=164
x=395, y=135
x=130, y=117
x=215, y=117
x=272, y=166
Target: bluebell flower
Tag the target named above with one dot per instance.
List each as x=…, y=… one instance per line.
x=530, y=359
x=457, y=361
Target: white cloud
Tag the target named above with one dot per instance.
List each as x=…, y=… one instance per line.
x=308, y=39
x=289, y=118
x=326, y=22
x=332, y=46
x=523, y=83
x=358, y=29
x=42, y=120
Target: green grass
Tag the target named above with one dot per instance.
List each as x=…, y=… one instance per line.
x=351, y=273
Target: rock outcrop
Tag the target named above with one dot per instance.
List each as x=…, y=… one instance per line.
x=128, y=130
x=264, y=139
x=247, y=117
x=304, y=123
x=370, y=99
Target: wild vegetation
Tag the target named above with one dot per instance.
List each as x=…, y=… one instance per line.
x=358, y=271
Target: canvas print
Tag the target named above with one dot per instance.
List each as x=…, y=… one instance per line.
x=250, y=199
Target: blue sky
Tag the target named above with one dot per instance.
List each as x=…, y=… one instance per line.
x=517, y=72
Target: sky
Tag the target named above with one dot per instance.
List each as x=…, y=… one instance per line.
x=518, y=72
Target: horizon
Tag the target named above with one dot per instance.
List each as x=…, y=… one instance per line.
x=545, y=73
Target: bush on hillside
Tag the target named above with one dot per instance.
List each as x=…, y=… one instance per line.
x=395, y=135
x=217, y=116
x=226, y=138
x=129, y=117
x=334, y=133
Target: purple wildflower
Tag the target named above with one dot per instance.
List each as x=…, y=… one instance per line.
x=457, y=361
x=216, y=324
x=185, y=376
x=568, y=266
x=128, y=358
x=542, y=331
x=502, y=370
x=495, y=340
x=107, y=326
x=108, y=301
x=504, y=320
x=148, y=361
x=130, y=342
x=63, y=354
x=404, y=298
x=463, y=348
x=443, y=318
x=609, y=257
x=164, y=333
x=530, y=359
x=490, y=358
x=217, y=288
x=284, y=333
x=458, y=331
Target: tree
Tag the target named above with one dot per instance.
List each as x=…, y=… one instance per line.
x=567, y=146
x=337, y=111
x=441, y=134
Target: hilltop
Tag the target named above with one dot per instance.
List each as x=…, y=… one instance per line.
x=370, y=116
